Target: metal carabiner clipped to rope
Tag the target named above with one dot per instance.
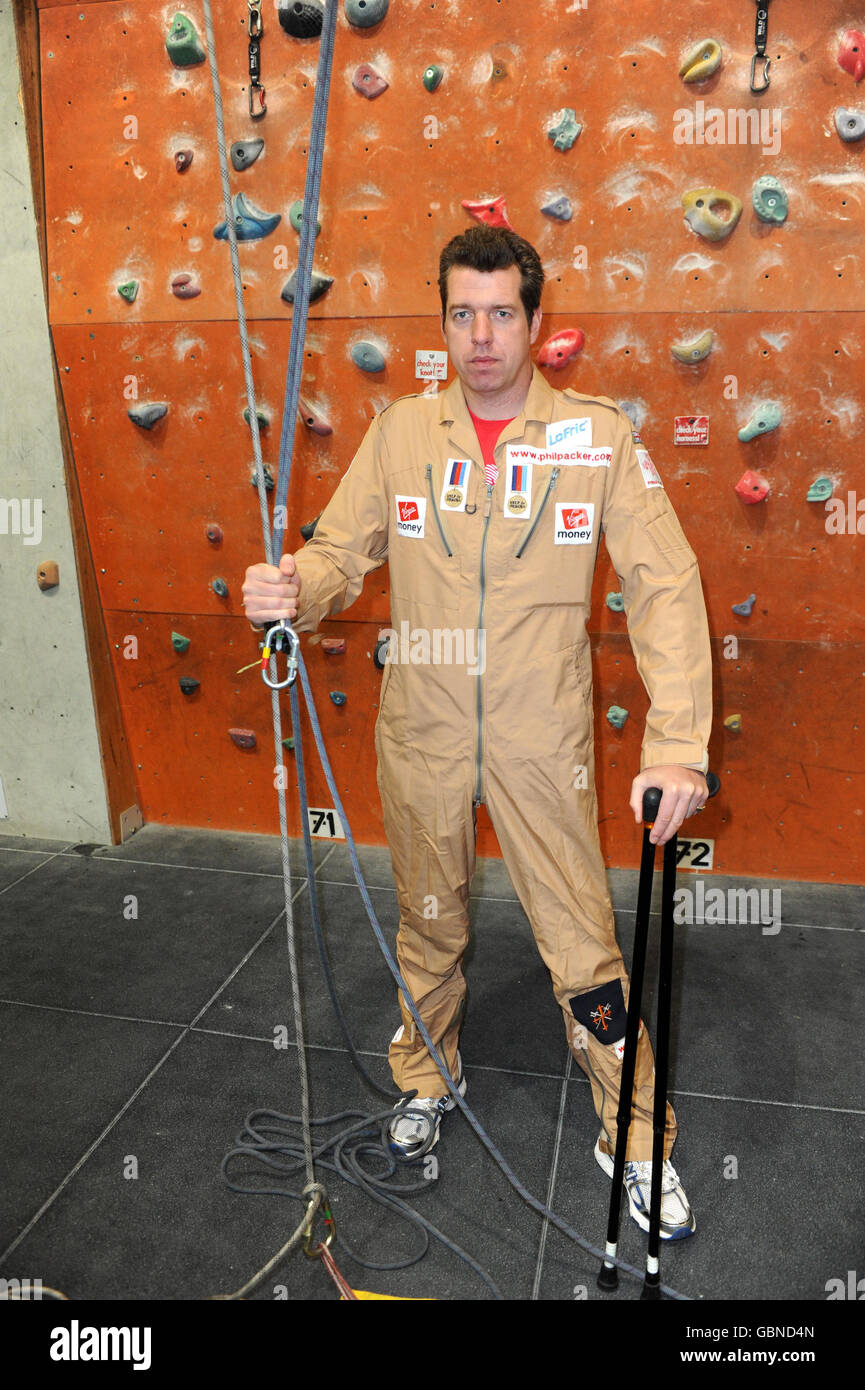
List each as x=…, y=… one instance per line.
x=257, y=104
x=282, y=631
x=327, y=1217
x=761, y=31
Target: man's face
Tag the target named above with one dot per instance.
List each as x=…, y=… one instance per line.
x=486, y=331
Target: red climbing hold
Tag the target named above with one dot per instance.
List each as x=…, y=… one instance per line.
x=244, y=738
x=333, y=646
x=313, y=419
x=492, y=211
x=851, y=54
x=561, y=348
x=751, y=487
x=368, y=82
x=213, y=533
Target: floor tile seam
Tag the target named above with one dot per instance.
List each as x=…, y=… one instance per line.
x=93, y=1013
x=34, y=870
x=551, y=1183
x=83, y=1158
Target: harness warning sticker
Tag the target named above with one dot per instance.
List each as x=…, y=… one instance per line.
x=567, y=433
x=410, y=516
x=574, y=523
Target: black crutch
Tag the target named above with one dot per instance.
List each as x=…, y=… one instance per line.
x=608, y=1277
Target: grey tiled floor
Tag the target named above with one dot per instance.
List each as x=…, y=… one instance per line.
x=147, y=1035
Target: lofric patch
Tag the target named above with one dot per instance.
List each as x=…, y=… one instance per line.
x=602, y=1012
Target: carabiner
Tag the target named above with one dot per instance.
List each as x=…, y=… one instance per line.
x=330, y=1224
x=282, y=629
x=761, y=30
x=257, y=104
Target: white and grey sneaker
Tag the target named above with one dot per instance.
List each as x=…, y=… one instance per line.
x=677, y=1219
x=412, y=1133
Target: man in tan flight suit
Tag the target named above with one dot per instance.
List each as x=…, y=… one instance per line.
x=491, y=531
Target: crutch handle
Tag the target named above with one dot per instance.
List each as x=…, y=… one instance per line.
x=652, y=797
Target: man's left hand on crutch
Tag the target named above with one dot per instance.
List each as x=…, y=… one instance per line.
x=684, y=791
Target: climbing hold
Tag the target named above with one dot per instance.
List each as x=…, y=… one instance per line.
x=560, y=208
x=318, y=285
x=288, y=743
x=565, y=131
x=766, y=417
x=220, y=587
x=213, y=533
x=295, y=216
x=616, y=603
x=379, y=655
x=701, y=61
x=433, y=76
x=245, y=152
x=851, y=54
x=695, y=351
x=183, y=44
x=147, y=415
x=182, y=160
x=269, y=484
x=188, y=684
x=184, y=287
x=704, y=215
x=821, y=489
x=244, y=738
x=561, y=348
x=48, y=574
x=263, y=420
x=179, y=642
x=617, y=716
x=733, y=721
x=301, y=18
x=850, y=125
x=338, y=696
x=769, y=199
x=313, y=419
x=308, y=531
x=751, y=487
x=363, y=14
x=128, y=290
x=249, y=221
x=333, y=646
x=368, y=357
x=368, y=82
x=744, y=608
x=492, y=211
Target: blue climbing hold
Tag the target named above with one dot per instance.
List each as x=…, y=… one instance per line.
x=368, y=357
x=617, y=716
x=565, y=131
x=744, y=609
x=245, y=152
x=559, y=208
x=338, y=696
x=250, y=222
x=147, y=415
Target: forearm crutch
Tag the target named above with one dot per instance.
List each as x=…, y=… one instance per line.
x=608, y=1277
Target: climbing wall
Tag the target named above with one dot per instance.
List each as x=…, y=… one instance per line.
x=705, y=239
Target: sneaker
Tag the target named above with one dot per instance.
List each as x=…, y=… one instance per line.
x=410, y=1134
x=677, y=1219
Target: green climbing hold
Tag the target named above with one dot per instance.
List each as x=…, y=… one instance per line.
x=269, y=483
x=433, y=76
x=188, y=684
x=616, y=603
x=128, y=290
x=183, y=44
x=339, y=697
x=220, y=587
x=617, y=716
x=766, y=417
x=769, y=199
x=368, y=357
x=565, y=131
x=288, y=743
x=821, y=489
x=179, y=642
x=295, y=216
x=263, y=420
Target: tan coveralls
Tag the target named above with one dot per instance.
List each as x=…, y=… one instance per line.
x=511, y=725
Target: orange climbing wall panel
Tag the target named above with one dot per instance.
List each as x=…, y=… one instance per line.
x=786, y=305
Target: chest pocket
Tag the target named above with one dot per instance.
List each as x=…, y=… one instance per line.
x=424, y=563
x=555, y=555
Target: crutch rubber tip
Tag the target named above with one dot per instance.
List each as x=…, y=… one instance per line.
x=608, y=1277
x=652, y=1291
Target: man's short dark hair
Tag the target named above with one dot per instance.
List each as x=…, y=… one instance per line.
x=494, y=248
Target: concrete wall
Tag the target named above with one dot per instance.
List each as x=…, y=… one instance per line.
x=50, y=762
